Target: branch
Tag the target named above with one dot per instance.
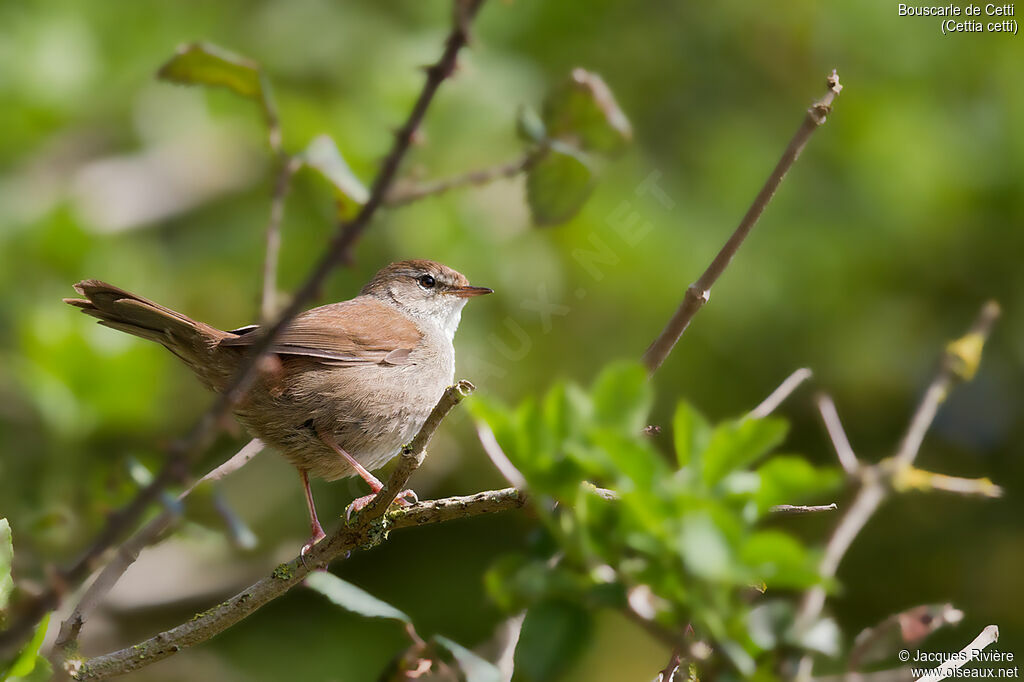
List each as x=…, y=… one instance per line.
x=960, y=361
x=698, y=293
x=367, y=529
x=67, y=638
x=803, y=508
x=201, y=435
x=401, y=196
x=912, y=478
x=287, y=166
x=237, y=461
x=450, y=508
x=32, y=610
x=779, y=395
x=987, y=636
x=834, y=427
x=497, y=456
x=414, y=453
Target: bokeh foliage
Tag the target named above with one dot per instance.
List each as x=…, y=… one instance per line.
x=682, y=540
x=897, y=221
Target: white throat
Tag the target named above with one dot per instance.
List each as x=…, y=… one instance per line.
x=450, y=323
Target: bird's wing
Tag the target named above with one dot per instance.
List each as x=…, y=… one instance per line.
x=359, y=331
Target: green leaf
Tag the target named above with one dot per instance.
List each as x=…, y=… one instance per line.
x=583, y=112
x=704, y=548
x=735, y=444
x=323, y=156
x=779, y=560
x=565, y=410
x=691, y=434
x=558, y=185
x=790, y=479
x=529, y=126
x=351, y=598
x=6, y=557
x=554, y=634
x=474, y=668
x=622, y=397
x=29, y=666
x=206, y=64
x=636, y=464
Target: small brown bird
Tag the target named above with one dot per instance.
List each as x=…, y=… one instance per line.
x=353, y=381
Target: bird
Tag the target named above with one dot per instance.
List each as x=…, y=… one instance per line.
x=349, y=383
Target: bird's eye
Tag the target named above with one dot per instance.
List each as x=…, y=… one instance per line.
x=426, y=281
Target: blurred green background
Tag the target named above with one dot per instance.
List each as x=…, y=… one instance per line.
x=903, y=215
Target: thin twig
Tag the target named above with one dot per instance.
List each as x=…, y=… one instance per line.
x=128, y=553
x=414, y=453
x=368, y=528
x=202, y=433
x=834, y=427
x=236, y=462
x=987, y=636
x=361, y=534
x=803, y=508
x=67, y=638
x=402, y=195
x=497, y=456
x=912, y=478
x=779, y=395
x=33, y=609
x=449, y=508
x=960, y=361
x=698, y=293
x=287, y=165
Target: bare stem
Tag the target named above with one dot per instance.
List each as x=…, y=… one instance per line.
x=268, y=301
x=202, y=433
x=779, y=395
x=834, y=427
x=803, y=508
x=960, y=361
x=367, y=529
x=987, y=636
x=236, y=462
x=414, y=453
x=698, y=293
x=129, y=551
x=403, y=195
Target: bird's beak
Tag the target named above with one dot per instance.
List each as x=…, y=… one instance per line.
x=469, y=292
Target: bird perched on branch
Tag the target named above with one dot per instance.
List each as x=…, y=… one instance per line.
x=351, y=382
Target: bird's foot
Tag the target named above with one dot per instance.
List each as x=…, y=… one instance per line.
x=403, y=499
x=318, y=535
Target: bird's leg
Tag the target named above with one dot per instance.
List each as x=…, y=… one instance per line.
x=371, y=480
x=314, y=523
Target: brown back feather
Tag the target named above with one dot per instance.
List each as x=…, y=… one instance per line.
x=331, y=333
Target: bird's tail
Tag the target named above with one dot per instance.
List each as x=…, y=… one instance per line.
x=194, y=342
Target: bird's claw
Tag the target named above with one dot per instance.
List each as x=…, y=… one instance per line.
x=403, y=499
x=318, y=535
